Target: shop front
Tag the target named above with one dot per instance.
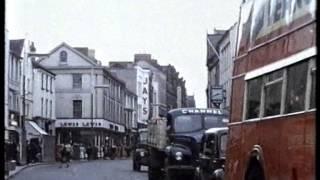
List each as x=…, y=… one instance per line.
x=85, y=133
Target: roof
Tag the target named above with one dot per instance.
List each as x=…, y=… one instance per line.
x=35, y=64
x=215, y=130
x=88, y=59
x=16, y=46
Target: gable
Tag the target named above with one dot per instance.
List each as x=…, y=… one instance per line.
x=74, y=58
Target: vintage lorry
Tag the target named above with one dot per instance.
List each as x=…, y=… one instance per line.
x=174, y=141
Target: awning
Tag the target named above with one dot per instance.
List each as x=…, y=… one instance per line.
x=33, y=129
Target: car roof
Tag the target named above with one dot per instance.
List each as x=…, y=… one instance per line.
x=216, y=130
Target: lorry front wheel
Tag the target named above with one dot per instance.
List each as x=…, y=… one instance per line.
x=154, y=174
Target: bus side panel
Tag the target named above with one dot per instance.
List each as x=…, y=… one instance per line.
x=309, y=159
x=267, y=54
x=250, y=137
x=302, y=39
x=269, y=132
x=234, y=154
x=292, y=149
x=237, y=99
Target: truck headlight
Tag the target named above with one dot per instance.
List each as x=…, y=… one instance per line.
x=142, y=153
x=178, y=156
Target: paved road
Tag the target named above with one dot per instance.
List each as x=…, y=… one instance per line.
x=93, y=170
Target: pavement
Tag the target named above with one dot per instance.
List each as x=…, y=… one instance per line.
x=19, y=169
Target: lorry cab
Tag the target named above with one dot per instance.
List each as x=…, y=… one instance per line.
x=185, y=128
x=212, y=153
x=140, y=152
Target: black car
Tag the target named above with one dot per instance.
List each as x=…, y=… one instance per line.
x=212, y=155
x=140, y=153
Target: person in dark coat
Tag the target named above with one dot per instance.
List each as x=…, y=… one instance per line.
x=65, y=157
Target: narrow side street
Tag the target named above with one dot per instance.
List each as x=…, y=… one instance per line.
x=92, y=170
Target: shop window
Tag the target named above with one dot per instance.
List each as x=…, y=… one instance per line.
x=296, y=87
x=253, y=98
x=272, y=90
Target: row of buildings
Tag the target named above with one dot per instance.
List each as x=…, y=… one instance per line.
x=221, y=51
x=67, y=95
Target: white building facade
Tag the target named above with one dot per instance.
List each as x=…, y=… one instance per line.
x=86, y=112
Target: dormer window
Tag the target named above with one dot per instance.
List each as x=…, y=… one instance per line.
x=63, y=56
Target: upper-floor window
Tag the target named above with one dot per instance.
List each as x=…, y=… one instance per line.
x=47, y=82
x=50, y=115
x=41, y=106
x=77, y=108
x=287, y=90
x=42, y=81
x=51, y=79
x=77, y=81
x=63, y=56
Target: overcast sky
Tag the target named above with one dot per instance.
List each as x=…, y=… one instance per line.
x=173, y=31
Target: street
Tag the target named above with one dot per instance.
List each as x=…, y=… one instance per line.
x=92, y=170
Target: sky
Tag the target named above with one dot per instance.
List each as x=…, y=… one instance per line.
x=172, y=31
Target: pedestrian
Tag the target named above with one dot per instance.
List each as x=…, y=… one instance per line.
x=65, y=156
x=89, y=152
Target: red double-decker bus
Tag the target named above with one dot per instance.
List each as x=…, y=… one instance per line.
x=272, y=123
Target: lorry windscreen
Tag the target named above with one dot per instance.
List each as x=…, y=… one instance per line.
x=187, y=123
x=211, y=121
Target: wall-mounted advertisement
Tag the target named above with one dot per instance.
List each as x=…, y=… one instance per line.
x=262, y=20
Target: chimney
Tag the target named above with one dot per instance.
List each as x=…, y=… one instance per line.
x=91, y=53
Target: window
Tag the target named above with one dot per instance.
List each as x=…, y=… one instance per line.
x=77, y=108
x=253, y=98
x=47, y=82
x=223, y=144
x=272, y=89
x=187, y=123
x=41, y=106
x=63, y=56
x=46, y=108
x=50, y=115
x=284, y=91
x=313, y=88
x=51, y=79
x=42, y=81
x=296, y=87
x=77, y=81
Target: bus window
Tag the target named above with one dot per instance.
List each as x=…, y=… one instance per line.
x=313, y=87
x=253, y=98
x=296, y=87
x=273, y=88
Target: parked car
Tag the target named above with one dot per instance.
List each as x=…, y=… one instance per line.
x=212, y=154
